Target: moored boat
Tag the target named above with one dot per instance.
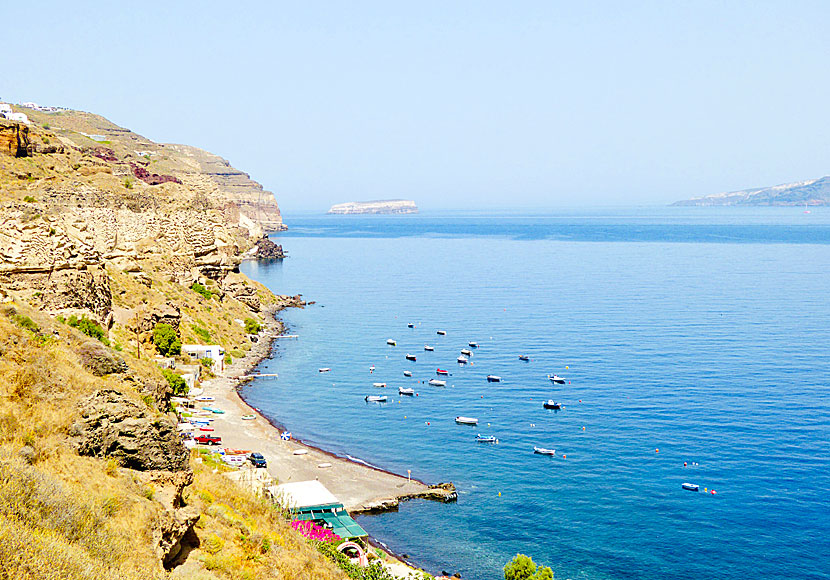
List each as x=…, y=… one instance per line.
x=466, y=420
x=405, y=391
x=410, y=357
x=429, y=348
x=493, y=379
x=442, y=332
x=462, y=360
x=524, y=357
x=323, y=370
x=690, y=486
x=437, y=383
x=407, y=373
x=472, y=344
x=410, y=325
x=556, y=379
x=375, y=398
x=466, y=352
x=379, y=385
x=441, y=372
x=551, y=404
x=391, y=342
x=543, y=451
x=487, y=439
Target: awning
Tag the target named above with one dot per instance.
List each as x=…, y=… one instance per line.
x=340, y=522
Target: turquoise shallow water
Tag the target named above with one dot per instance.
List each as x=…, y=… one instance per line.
x=703, y=336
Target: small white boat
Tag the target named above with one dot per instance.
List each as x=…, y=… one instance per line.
x=410, y=357
x=407, y=373
x=205, y=398
x=493, y=379
x=556, y=379
x=466, y=352
x=375, y=398
x=379, y=385
x=300, y=452
x=442, y=332
x=429, y=348
x=690, y=486
x=324, y=465
x=323, y=370
x=466, y=420
x=391, y=342
x=410, y=325
x=248, y=417
x=472, y=344
x=543, y=451
x=488, y=439
x=437, y=383
x=405, y=391
x=462, y=360
x=551, y=404
x=524, y=357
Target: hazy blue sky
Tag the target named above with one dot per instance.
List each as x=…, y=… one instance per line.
x=453, y=104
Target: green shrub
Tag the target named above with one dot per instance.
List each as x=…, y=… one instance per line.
x=89, y=328
x=166, y=340
x=252, y=326
x=175, y=381
x=25, y=322
x=522, y=568
x=29, y=198
x=201, y=332
x=207, y=362
x=128, y=182
x=201, y=289
x=228, y=358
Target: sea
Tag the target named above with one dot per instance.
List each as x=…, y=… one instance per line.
x=694, y=347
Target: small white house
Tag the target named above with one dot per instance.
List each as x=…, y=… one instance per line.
x=212, y=351
x=5, y=108
x=19, y=117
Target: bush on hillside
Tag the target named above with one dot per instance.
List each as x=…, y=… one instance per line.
x=201, y=289
x=175, y=381
x=89, y=328
x=201, y=332
x=252, y=326
x=166, y=340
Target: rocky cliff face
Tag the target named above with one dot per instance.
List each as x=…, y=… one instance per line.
x=14, y=139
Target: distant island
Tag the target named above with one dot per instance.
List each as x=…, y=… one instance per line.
x=809, y=192
x=386, y=206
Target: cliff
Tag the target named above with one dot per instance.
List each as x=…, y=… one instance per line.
x=809, y=192
x=390, y=206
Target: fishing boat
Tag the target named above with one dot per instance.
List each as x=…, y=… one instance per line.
x=410, y=325
x=248, y=417
x=466, y=352
x=441, y=372
x=472, y=344
x=429, y=348
x=690, y=486
x=410, y=357
x=437, y=383
x=556, y=379
x=405, y=391
x=493, y=379
x=466, y=420
x=488, y=439
x=524, y=357
x=442, y=332
x=543, y=451
x=323, y=370
x=391, y=342
x=551, y=404
x=375, y=398
x=462, y=360
x=379, y=385
x=407, y=373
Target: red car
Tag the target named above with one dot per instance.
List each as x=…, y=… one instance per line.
x=208, y=440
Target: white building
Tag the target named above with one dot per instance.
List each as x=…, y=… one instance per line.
x=19, y=117
x=5, y=108
x=212, y=351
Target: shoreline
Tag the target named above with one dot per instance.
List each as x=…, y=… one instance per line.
x=363, y=488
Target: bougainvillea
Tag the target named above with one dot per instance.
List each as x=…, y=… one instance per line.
x=314, y=532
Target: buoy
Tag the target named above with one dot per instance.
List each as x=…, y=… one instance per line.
x=499, y=494
x=583, y=428
x=714, y=492
x=657, y=451
x=684, y=464
x=566, y=368
x=580, y=400
x=488, y=424
x=704, y=490
x=564, y=457
x=404, y=416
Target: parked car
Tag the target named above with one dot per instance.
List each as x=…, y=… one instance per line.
x=257, y=460
x=208, y=440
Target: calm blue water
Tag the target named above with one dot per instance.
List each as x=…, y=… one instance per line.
x=701, y=333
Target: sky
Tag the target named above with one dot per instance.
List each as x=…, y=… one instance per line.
x=466, y=104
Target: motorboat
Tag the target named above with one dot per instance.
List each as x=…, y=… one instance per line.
x=323, y=370
x=690, y=486
x=556, y=379
x=410, y=325
x=466, y=420
x=462, y=360
x=466, y=352
x=248, y=417
x=379, y=385
x=407, y=373
x=429, y=348
x=472, y=344
x=493, y=379
x=410, y=357
x=543, y=451
x=487, y=439
x=391, y=342
x=551, y=404
x=437, y=383
x=442, y=332
x=441, y=372
x=405, y=391
x=375, y=398
x=524, y=357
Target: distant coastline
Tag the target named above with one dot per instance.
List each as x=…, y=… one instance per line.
x=385, y=206
x=812, y=192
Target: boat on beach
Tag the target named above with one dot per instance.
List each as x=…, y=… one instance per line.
x=429, y=348
x=462, y=360
x=410, y=357
x=437, y=383
x=472, y=344
x=488, y=439
x=391, y=342
x=441, y=372
x=551, y=404
x=556, y=379
x=543, y=451
x=493, y=379
x=524, y=357
x=205, y=398
x=466, y=420
x=466, y=352
x=379, y=385
x=323, y=370
x=690, y=486
x=405, y=391
x=442, y=332
x=375, y=398
x=407, y=373
x=248, y=417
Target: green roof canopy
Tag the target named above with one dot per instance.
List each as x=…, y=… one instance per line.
x=336, y=517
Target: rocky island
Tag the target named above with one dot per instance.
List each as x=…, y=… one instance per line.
x=389, y=206
x=810, y=192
